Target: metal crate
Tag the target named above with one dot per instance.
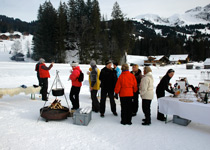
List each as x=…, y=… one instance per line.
x=81, y=119
x=180, y=121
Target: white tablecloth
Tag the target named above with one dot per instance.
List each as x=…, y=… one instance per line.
x=194, y=111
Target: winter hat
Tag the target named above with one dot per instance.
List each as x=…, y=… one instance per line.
x=74, y=64
x=93, y=63
x=41, y=60
x=147, y=69
x=125, y=67
x=108, y=62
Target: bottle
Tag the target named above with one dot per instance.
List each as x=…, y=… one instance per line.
x=206, y=98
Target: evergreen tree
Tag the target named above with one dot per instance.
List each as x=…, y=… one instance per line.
x=104, y=39
x=16, y=47
x=61, y=33
x=119, y=33
x=45, y=37
x=116, y=12
x=38, y=38
x=96, y=29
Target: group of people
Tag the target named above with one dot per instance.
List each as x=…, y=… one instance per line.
x=113, y=82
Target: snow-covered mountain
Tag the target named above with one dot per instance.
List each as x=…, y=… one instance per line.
x=198, y=15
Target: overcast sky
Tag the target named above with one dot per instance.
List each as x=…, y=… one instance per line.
x=26, y=10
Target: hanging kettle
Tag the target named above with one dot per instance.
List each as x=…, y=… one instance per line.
x=58, y=92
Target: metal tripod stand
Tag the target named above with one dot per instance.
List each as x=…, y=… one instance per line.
x=56, y=82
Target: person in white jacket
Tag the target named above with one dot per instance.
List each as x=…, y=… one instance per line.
x=146, y=92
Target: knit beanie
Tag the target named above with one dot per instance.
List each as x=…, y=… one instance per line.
x=93, y=63
x=108, y=62
x=74, y=64
x=41, y=60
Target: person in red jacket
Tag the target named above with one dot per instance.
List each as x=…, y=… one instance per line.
x=76, y=85
x=37, y=70
x=126, y=85
x=44, y=75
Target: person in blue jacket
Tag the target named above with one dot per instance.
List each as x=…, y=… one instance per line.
x=118, y=70
x=115, y=64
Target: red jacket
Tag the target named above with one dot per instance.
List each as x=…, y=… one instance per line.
x=74, y=77
x=126, y=84
x=44, y=71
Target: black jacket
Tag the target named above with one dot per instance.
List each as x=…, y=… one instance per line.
x=108, y=78
x=93, y=76
x=138, y=76
x=162, y=86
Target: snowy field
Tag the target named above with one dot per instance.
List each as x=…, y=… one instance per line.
x=20, y=130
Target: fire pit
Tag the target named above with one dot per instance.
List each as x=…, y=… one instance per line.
x=54, y=112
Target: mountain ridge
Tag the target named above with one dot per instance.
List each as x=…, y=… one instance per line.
x=197, y=15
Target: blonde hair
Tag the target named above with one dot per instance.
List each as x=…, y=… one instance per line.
x=125, y=67
x=147, y=69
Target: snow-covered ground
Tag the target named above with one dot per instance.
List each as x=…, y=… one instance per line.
x=20, y=130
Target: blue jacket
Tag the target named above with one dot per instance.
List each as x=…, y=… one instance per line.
x=118, y=71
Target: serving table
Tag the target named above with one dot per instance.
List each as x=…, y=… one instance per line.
x=186, y=106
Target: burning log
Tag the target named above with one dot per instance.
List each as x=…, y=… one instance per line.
x=56, y=105
x=55, y=111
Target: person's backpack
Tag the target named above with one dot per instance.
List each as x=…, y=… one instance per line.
x=81, y=76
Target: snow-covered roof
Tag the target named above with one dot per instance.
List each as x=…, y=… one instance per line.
x=136, y=59
x=158, y=57
x=207, y=61
x=178, y=57
x=8, y=34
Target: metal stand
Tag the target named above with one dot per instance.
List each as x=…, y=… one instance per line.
x=56, y=81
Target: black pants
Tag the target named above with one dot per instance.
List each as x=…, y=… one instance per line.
x=135, y=103
x=160, y=116
x=39, y=80
x=95, y=103
x=74, y=96
x=146, y=109
x=104, y=93
x=44, y=88
x=126, y=110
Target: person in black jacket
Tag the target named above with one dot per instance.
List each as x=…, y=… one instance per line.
x=37, y=70
x=135, y=100
x=108, y=78
x=162, y=87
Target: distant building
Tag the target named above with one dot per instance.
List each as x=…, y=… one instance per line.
x=179, y=59
x=207, y=63
x=160, y=60
x=133, y=59
x=15, y=36
x=4, y=37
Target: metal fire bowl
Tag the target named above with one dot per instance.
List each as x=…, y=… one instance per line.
x=54, y=114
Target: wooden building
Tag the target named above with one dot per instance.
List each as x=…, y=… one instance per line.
x=179, y=59
x=207, y=63
x=157, y=60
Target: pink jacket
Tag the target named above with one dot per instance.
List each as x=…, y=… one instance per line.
x=74, y=77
